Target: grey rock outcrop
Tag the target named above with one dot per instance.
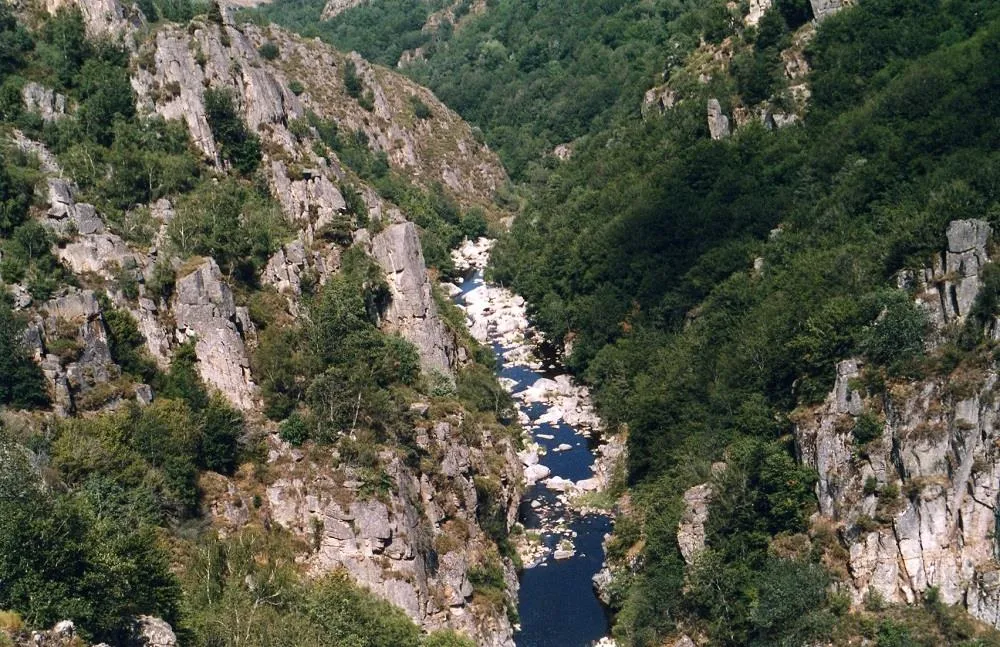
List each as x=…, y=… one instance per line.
x=412, y=312
x=947, y=289
x=661, y=98
x=65, y=213
x=756, y=11
x=691, y=528
x=50, y=105
x=204, y=310
x=916, y=505
x=101, y=17
x=155, y=632
x=718, y=122
x=825, y=8
x=312, y=201
x=71, y=343
x=939, y=450
x=415, y=548
x=334, y=8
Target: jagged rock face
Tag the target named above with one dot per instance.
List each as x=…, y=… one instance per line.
x=204, y=310
x=334, y=8
x=51, y=106
x=440, y=149
x=74, y=317
x=184, y=64
x=691, y=529
x=416, y=547
x=661, y=98
x=155, y=632
x=917, y=504
x=101, y=17
x=824, y=8
x=757, y=10
x=939, y=450
x=412, y=312
x=718, y=122
x=312, y=201
x=947, y=289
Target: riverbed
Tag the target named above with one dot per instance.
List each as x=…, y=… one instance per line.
x=557, y=603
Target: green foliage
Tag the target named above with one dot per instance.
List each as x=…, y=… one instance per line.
x=231, y=222
x=269, y=51
x=254, y=575
x=74, y=556
x=23, y=385
x=105, y=95
x=176, y=10
x=867, y=428
x=15, y=198
x=897, y=332
x=352, y=82
x=126, y=343
x=478, y=388
x=236, y=143
x=420, y=109
x=14, y=42
x=221, y=428
x=338, y=362
x=709, y=364
x=531, y=75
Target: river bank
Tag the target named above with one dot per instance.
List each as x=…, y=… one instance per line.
x=568, y=460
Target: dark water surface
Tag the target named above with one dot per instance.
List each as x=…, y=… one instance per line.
x=557, y=604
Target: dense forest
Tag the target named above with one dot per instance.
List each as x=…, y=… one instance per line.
x=530, y=75
x=641, y=250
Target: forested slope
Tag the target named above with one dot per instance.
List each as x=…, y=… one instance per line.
x=642, y=250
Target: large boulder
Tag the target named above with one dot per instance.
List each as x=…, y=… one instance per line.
x=204, y=310
x=412, y=311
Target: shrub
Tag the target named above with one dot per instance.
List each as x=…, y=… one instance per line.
x=64, y=557
x=236, y=143
x=294, y=430
x=420, y=109
x=867, y=428
x=269, y=51
x=352, y=82
x=23, y=385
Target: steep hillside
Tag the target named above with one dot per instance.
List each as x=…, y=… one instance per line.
x=714, y=277
x=227, y=372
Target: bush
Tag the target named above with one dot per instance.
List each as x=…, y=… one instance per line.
x=23, y=385
x=867, y=428
x=236, y=143
x=269, y=51
x=64, y=557
x=897, y=332
x=352, y=82
x=221, y=428
x=420, y=109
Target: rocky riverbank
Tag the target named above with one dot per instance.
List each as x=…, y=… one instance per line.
x=569, y=458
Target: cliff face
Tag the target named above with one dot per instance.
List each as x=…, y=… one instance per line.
x=412, y=535
x=910, y=476
x=415, y=539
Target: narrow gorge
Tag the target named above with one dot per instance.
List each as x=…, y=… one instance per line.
x=568, y=461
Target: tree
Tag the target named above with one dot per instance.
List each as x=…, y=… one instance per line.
x=23, y=385
x=236, y=143
x=64, y=558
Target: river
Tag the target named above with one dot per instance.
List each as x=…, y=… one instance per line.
x=557, y=603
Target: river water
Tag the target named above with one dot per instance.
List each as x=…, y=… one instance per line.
x=557, y=603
